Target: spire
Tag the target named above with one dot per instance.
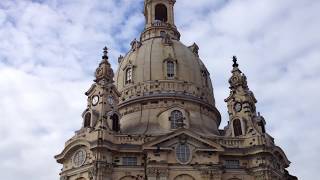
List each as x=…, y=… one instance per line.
x=239, y=87
x=238, y=79
x=234, y=59
x=105, y=53
x=104, y=71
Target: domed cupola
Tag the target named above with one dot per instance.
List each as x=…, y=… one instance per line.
x=159, y=16
x=164, y=85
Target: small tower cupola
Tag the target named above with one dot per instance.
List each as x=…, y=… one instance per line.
x=159, y=15
x=240, y=93
x=104, y=71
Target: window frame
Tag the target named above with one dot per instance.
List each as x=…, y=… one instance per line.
x=183, y=153
x=129, y=75
x=76, y=158
x=129, y=161
x=237, y=127
x=173, y=69
x=170, y=70
x=177, y=119
x=87, y=120
x=160, y=10
x=232, y=164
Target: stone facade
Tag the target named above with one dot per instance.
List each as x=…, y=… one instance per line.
x=156, y=119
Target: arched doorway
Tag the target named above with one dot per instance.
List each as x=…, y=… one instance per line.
x=115, y=123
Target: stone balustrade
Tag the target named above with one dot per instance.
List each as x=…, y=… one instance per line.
x=166, y=87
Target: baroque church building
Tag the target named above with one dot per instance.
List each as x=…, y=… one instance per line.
x=155, y=118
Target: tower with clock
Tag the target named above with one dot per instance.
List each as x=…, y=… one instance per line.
x=243, y=118
x=101, y=111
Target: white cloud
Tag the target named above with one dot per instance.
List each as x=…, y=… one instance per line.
x=49, y=50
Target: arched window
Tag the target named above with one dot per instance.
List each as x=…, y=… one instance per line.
x=183, y=153
x=237, y=127
x=129, y=75
x=87, y=120
x=170, y=69
x=176, y=119
x=115, y=123
x=161, y=13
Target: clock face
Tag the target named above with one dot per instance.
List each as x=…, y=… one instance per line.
x=238, y=107
x=95, y=100
x=110, y=100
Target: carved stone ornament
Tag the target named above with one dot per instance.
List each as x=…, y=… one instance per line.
x=93, y=173
x=135, y=45
x=195, y=49
x=167, y=39
x=157, y=172
x=120, y=58
x=210, y=173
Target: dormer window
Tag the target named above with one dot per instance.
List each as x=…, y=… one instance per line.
x=176, y=119
x=128, y=76
x=170, y=69
x=161, y=13
x=129, y=161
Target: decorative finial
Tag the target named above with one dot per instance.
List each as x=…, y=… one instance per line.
x=235, y=64
x=105, y=53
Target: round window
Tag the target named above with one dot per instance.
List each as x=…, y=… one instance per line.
x=183, y=153
x=79, y=158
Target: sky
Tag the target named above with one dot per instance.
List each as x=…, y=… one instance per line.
x=49, y=50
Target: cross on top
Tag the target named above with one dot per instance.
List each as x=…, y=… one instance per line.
x=235, y=59
x=105, y=53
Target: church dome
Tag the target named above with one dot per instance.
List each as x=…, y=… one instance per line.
x=152, y=62
x=163, y=83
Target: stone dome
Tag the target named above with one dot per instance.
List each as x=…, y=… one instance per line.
x=162, y=81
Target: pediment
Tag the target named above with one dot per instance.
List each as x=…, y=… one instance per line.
x=70, y=148
x=186, y=136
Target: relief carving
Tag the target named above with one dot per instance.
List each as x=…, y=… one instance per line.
x=157, y=172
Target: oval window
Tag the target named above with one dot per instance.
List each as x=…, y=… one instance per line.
x=183, y=153
x=79, y=158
